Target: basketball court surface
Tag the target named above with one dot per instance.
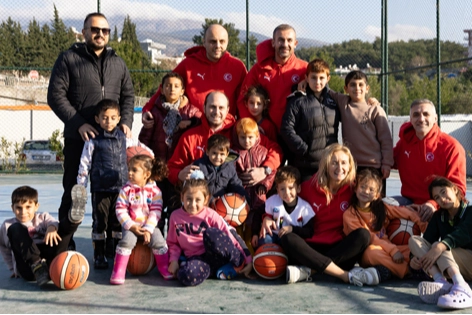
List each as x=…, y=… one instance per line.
x=152, y=294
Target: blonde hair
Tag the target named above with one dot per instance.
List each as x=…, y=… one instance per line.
x=322, y=178
x=246, y=126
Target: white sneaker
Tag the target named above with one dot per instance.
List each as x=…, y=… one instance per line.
x=298, y=274
x=458, y=298
x=361, y=276
x=79, y=199
x=429, y=292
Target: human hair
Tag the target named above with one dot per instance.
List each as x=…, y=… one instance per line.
x=377, y=207
x=172, y=75
x=247, y=126
x=215, y=92
x=24, y=194
x=258, y=90
x=157, y=167
x=322, y=178
x=197, y=183
x=423, y=101
x=283, y=27
x=355, y=75
x=219, y=142
x=317, y=66
x=288, y=173
x=91, y=15
x=105, y=105
x=439, y=181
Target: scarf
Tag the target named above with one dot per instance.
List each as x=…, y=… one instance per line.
x=172, y=120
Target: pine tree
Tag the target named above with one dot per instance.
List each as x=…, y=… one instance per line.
x=12, y=44
x=62, y=36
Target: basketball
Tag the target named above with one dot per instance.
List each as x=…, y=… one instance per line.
x=69, y=270
x=141, y=260
x=233, y=208
x=270, y=261
x=132, y=151
x=399, y=231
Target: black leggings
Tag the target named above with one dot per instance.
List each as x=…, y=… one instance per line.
x=315, y=256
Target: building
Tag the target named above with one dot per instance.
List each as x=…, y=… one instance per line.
x=154, y=52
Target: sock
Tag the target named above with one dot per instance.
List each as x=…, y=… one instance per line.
x=459, y=280
x=438, y=277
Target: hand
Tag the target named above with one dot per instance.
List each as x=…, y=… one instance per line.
x=373, y=101
x=52, y=238
x=261, y=190
x=126, y=131
x=147, y=237
x=302, y=85
x=147, y=120
x=184, y=124
x=426, y=211
x=14, y=275
x=184, y=174
x=430, y=258
x=253, y=176
x=267, y=226
x=137, y=230
x=398, y=258
x=173, y=268
x=415, y=263
x=385, y=171
x=87, y=132
x=246, y=271
x=254, y=241
x=285, y=230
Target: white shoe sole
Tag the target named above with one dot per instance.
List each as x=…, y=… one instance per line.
x=429, y=292
x=79, y=199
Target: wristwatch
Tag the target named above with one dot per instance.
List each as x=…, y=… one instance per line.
x=267, y=170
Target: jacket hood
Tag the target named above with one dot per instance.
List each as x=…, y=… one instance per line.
x=227, y=123
x=199, y=52
x=407, y=133
x=82, y=47
x=265, y=51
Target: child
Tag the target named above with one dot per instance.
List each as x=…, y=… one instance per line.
x=445, y=250
x=138, y=209
x=365, y=128
x=285, y=212
x=219, y=169
x=251, y=154
x=311, y=121
x=172, y=114
x=31, y=240
x=105, y=158
x=203, y=237
x=257, y=102
x=368, y=211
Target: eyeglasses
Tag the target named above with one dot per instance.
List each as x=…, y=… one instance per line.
x=96, y=30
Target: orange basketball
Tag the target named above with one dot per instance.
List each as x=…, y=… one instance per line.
x=270, y=261
x=135, y=150
x=69, y=270
x=233, y=208
x=399, y=231
x=141, y=260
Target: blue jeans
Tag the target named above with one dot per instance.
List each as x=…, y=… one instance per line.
x=269, y=239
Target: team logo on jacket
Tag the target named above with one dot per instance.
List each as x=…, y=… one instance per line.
x=228, y=77
x=295, y=78
x=344, y=205
x=430, y=156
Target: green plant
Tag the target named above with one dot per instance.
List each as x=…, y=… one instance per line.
x=6, y=154
x=20, y=161
x=56, y=144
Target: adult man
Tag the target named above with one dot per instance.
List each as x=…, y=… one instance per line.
x=424, y=151
x=206, y=68
x=277, y=70
x=82, y=76
x=217, y=119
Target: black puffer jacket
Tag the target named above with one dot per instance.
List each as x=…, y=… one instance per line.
x=308, y=126
x=77, y=85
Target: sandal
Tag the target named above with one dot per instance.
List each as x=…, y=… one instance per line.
x=458, y=298
x=429, y=292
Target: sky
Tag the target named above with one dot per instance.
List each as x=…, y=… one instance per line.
x=331, y=21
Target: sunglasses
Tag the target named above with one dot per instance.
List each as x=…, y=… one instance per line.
x=96, y=30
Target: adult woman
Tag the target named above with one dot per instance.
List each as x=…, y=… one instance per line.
x=329, y=250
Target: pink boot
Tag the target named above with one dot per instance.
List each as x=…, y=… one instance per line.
x=162, y=262
x=119, y=267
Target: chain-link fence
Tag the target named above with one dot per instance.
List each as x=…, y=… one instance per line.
x=346, y=33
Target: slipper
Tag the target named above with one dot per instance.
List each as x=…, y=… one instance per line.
x=458, y=298
x=429, y=292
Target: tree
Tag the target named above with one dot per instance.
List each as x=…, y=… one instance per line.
x=62, y=37
x=115, y=35
x=12, y=44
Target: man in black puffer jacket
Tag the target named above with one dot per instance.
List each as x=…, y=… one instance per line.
x=82, y=76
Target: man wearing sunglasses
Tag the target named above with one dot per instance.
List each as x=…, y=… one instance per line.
x=82, y=76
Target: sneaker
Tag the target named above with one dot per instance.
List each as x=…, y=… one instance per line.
x=297, y=274
x=227, y=272
x=361, y=276
x=41, y=272
x=100, y=263
x=458, y=297
x=429, y=292
x=79, y=199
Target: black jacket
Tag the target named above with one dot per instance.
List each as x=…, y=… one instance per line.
x=308, y=126
x=77, y=85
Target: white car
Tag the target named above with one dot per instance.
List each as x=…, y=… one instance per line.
x=39, y=152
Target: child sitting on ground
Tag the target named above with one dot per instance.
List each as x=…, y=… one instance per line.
x=285, y=212
x=445, y=250
x=30, y=241
x=257, y=102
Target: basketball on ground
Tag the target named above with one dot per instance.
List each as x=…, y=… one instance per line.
x=69, y=270
x=270, y=261
x=399, y=231
x=141, y=260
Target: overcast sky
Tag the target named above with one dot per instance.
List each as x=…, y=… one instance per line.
x=328, y=21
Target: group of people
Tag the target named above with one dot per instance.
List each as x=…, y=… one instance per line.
x=271, y=135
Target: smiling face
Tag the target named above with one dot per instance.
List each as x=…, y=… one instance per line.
x=193, y=200
x=108, y=119
x=338, y=167
x=173, y=90
x=217, y=156
x=367, y=191
x=215, y=42
x=96, y=40
x=423, y=117
x=357, y=89
x=317, y=81
x=216, y=109
x=284, y=43
x=446, y=197
x=255, y=105
x=288, y=191
x=24, y=212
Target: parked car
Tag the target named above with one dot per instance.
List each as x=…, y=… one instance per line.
x=39, y=152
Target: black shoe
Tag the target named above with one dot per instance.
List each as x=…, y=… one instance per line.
x=41, y=272
x=100, y=263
